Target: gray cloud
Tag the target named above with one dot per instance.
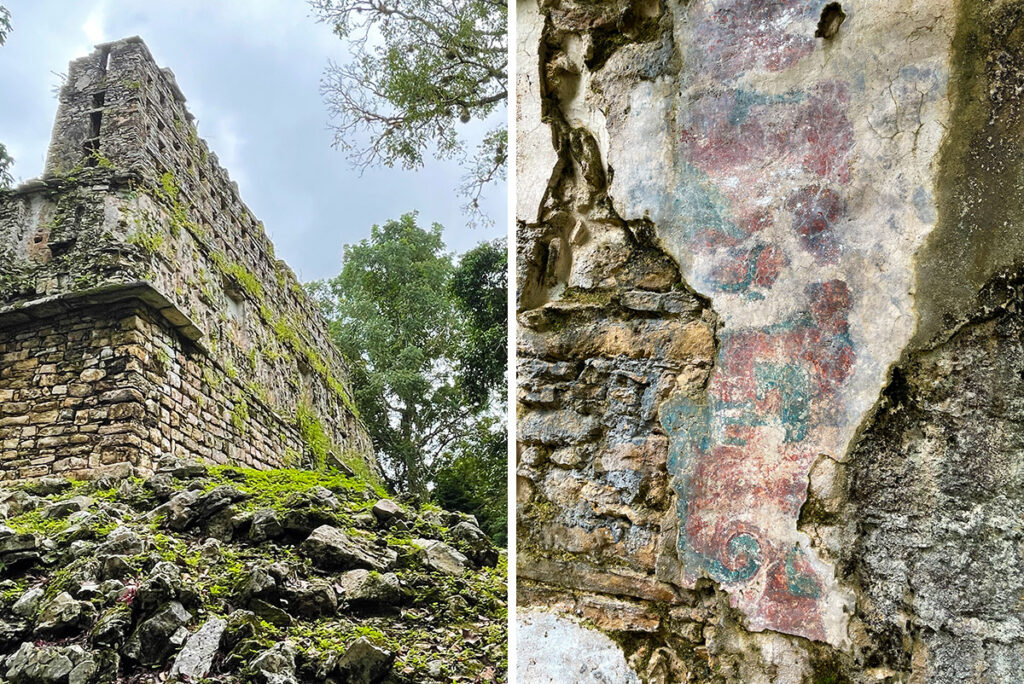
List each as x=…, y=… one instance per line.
x=250, y=70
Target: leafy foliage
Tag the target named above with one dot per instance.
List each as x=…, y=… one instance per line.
x=480, y=289
x=471, y=478
x=418, y=69
x=391, y=315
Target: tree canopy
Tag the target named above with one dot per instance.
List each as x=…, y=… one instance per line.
x=480, y=288
x=418, y=69
x=422, y=335
x=390, y=314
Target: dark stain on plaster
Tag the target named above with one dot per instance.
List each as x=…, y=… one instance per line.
x=938, y=451
x=979, y=189
x=832, y=17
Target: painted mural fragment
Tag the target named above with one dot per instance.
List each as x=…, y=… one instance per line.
x=741, y=458
x=779, y=163
x=780, y=198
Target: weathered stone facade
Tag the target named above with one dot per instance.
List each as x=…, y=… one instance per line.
x=142, y=310
x=768, y=293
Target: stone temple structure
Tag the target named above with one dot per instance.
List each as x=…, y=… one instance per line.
x=142, y=310
x=770, y=355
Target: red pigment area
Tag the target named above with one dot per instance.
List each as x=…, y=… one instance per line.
x=739, y=35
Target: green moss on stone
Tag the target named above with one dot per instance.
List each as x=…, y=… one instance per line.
x=313, y=433
x=146, y=239
x=240, y=414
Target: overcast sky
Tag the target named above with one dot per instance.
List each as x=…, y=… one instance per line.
x=250, y=71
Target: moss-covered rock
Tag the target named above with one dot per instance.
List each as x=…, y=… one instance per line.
x=146, y=565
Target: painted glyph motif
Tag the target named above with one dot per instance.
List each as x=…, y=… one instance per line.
x=776, y=187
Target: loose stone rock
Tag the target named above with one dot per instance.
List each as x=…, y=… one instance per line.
x=438, y=556
x=59, y=615
x=311, y=600
x=178, y=513
x=265, y=525
x=33, y=664
x=27, y=605
x=114, y=567
x=364, y=663
x=386, y=509
x=196, y=657
x=370, y=588
x=112, y=628
x=258, y=584
x=477, y=543
x=267, y=611
x=184, y=470
x=331, y=548
x=62, y=509
x=153, y=640
x=275, y=665
x=211, y=549
x=48, y=486
x=121, y=541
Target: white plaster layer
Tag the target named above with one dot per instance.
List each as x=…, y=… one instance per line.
x=556, y=650
x=535, y=156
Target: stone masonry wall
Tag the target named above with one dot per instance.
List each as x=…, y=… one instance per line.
x=133, y=205
x=769, y=292
x=89, y=394
x=68, y=396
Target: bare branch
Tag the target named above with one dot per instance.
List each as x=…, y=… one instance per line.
x=419, y=69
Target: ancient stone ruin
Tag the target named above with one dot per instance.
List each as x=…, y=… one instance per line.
x=142, y=310
x=770, y=357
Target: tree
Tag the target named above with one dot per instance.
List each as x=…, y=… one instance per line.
x=426, y=341
x=6, y=179
x=480, y=288
x=418, y=69
x=391, y=314
x=472, y=477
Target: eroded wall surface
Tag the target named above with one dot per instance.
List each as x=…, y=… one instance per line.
x=835, y=187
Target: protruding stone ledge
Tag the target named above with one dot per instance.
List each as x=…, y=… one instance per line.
x=582, y=576
x=55, y=305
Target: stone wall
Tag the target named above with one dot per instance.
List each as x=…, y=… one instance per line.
x=767, y=255
x=134, y=206
x=69, y=396
x=92, y=392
